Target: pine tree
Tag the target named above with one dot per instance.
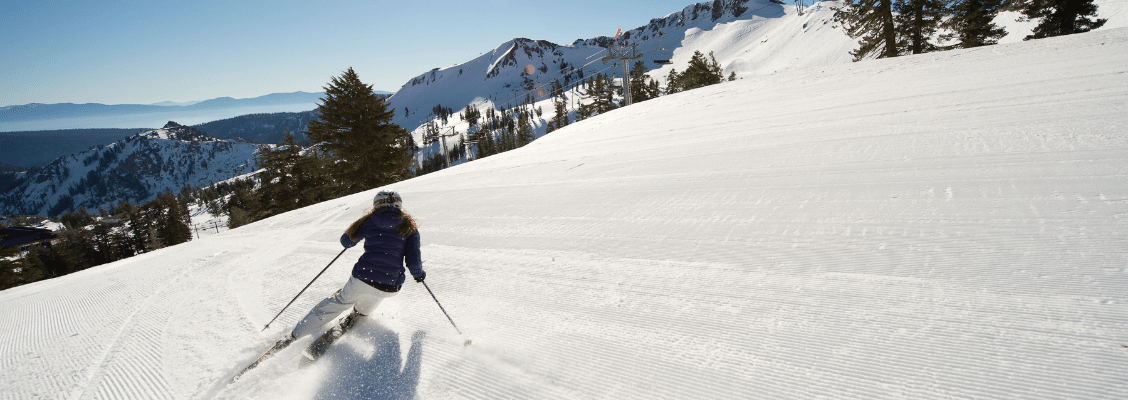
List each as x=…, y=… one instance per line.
x=508, y=135
x=355, y=126
x=640, y=90
x=101, y=235
x=49, y=261
x=242, y=207
x=277, y=186
x=604, y=89
x=153, y=240
x=311, y=177
x=525, y=132
x=486, y=145
x=138, y=223
x=916, y=22
x=172, y=219
x=971, y=23
x=699, y=73
x=601, y=96
x=738, y=7
x=1062, y=17
x=71, y=251
x=472, y=115
x=16, y=270
x=872, y=22
x=560, y=106
x=672, y=84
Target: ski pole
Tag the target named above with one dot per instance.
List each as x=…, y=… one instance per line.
x=304, y=289
x=467, y=343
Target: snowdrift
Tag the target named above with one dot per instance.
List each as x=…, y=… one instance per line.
x=937, y=226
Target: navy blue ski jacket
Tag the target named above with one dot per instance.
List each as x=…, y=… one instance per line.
x=385, y=251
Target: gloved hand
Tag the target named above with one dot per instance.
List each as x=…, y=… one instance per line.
x=421, y=277
x=346, y=242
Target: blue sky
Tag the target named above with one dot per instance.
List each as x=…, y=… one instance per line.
x=140, y=52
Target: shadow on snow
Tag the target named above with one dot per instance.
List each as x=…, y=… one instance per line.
x=380, y=375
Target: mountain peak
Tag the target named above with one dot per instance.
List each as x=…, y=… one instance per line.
x=175, y=131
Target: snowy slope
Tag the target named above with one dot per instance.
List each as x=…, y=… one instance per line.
x=951, y=225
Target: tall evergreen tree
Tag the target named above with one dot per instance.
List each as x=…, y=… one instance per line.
x=172, y=219
x=354, y=125
x=525, y=132
x=672, y=85
x=311, y=177
x=872, y=22
x=738, y=7
x=1062, y=17
x=916, y=23
x=699, y=73
x=487, y=146
x=640, y=89
x=242, y=207
x=16, y=270
x=971, y=23
x=601, y=95
x=472, y=115
x=604, y=89
x=277, y=186
x=560, y=107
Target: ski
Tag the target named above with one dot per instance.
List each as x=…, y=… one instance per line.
x=281, y=344
x=323, y=342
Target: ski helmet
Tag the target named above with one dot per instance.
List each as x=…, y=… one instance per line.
x=386, y=198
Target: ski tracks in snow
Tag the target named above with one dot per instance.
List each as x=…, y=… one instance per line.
x=124, y=353
x=560, y=324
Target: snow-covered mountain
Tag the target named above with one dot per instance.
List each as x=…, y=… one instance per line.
x=752, y=38
x=522, y=67
x=133, y=170
x=949, y=225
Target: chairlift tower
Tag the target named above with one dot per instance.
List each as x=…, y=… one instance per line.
x=443, y=137
x=432, y=135
x=623, y=53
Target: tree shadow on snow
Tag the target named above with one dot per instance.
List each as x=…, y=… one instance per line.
x=382, y=374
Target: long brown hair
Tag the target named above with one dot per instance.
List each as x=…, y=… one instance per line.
x=406, y=227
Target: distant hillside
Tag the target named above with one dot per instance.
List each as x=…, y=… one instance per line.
x=29, y=117
x=37, y=148
x=8, y=175
x=133, y=170
x=5, y=168
x=260, y=128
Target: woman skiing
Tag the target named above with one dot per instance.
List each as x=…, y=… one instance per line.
x=391, y=240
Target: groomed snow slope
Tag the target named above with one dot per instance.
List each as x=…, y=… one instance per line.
x=952, y=225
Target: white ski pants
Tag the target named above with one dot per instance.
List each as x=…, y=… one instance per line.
x=356, y=294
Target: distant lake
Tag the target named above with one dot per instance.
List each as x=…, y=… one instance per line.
x=151, y=119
